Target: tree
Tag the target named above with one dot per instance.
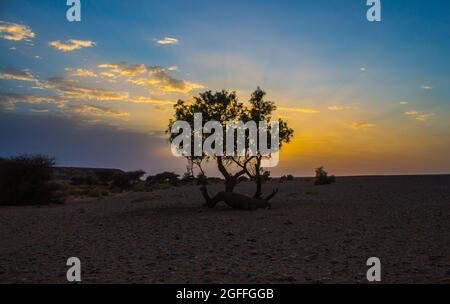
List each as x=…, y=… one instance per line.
x=322, y=177
x=224, y=106
x=26, y=180
x=262, y=110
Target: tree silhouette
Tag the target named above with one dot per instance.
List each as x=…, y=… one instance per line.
x=224, y=106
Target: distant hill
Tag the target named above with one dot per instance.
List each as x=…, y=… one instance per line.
x=67, y=173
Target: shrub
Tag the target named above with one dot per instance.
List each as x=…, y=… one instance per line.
x=105, y=177
x=25, y=180
x=127, y=180
x=83, y=180
x=266, y=176
x=165, y=177
x=289, y=177
x=322, y=177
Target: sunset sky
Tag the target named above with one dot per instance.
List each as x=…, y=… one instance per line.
x=362, y=97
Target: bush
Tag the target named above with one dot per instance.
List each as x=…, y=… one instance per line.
x=25, y=180
x=127, y=180
x=322, y=177
x=83, y=180
x=266, y=176
x=289, y=177
x=105, y=177
x=165, y=177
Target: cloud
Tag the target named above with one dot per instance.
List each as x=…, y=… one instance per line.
x=167, y=40
x=424, y=117
x=152, y=100
x=15, y=32
x=71, y=90
x=362, y=69
x=173, y=68
x=411, y=113
x=107, y=75
x=9, y=100
x=155, y=77
x=418, y=115
x=71, y=45
x=336, y=108
x=362, y=125
x=79, y=72
x=97, y=110
x=38, y=110
x=428, y=88
x=404, y=102
x=122, y=68
x=13, y=73
x=300, y=110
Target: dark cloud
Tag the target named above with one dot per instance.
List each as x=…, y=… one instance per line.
x=77, y=144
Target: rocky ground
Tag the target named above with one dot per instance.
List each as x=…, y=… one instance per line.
x=313, y=234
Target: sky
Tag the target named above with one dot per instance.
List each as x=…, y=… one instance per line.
x=362, y=97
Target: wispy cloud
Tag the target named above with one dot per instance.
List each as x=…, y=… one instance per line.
x=15, y=31
x=411, y=113
x=71, y=45
x=151, y=100
x=71, y=90
x=124, y=69
x=155, y=77
x=427, y=87
x=299, y=110
x=336, y=108
x=16, y=74
x=9, y=100
x=167, y=40
x=404, y=102
x=354, y=106
x=362, y=125
x=97, y=110
x=39, y=110
x=80, y=72
x=418, y=115
x=424, y=117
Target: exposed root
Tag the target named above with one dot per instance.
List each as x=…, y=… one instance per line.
x=236, y=200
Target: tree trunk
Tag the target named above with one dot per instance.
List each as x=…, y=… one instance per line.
x=236, y=201
x=230, y=183
x=258, y=179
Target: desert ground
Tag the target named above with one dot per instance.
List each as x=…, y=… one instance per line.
x=312, y=234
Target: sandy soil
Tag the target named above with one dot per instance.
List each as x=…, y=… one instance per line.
x=313, y=234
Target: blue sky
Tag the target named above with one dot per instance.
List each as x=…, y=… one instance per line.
x=357, y=93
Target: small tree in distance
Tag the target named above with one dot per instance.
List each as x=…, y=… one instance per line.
x=322, y=177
